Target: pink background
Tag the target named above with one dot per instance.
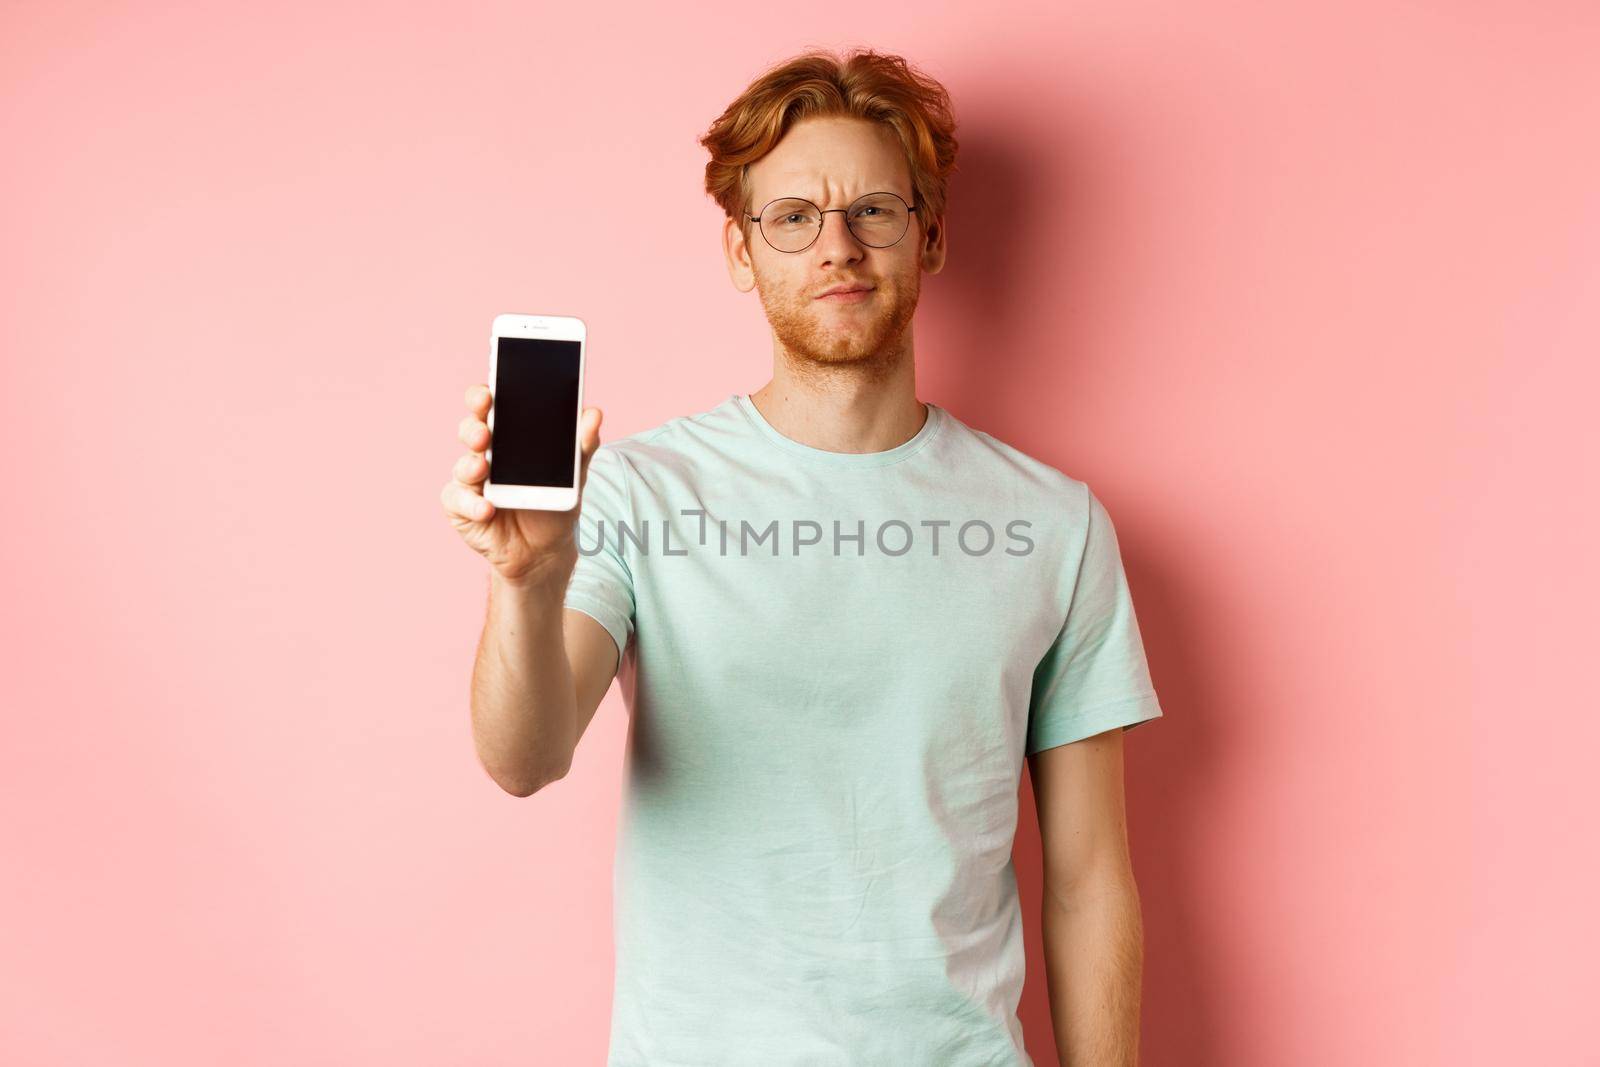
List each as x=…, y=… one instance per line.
x=1310, y=294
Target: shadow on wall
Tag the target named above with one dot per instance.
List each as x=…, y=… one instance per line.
x=1008, y=280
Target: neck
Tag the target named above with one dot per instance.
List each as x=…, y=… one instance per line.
x=842, y=408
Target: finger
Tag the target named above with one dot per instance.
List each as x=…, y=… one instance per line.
x=471, y=469
x=588, y=441
x=478, y=400
x=589, y=429
x=473, y=433
x=463, y=502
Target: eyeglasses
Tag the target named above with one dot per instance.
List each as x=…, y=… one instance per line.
x=791, y=224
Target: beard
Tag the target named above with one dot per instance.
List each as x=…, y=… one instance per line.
x=867, y=340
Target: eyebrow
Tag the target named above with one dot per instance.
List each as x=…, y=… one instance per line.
x=889, y=188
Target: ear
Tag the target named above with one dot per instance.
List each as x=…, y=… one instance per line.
x=933, y=246
x=736, y=251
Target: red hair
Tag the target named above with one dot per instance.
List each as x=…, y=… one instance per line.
x=862, y=84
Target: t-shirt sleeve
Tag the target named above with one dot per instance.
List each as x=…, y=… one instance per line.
x=1094, y=677
x=601, y=585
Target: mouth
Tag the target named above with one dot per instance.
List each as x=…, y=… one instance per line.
x=853, y=295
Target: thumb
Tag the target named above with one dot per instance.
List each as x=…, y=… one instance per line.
x=588, y=441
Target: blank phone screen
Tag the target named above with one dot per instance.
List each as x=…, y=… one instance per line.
x=535, y=412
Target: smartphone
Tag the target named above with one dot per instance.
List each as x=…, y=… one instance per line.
x=536, y=394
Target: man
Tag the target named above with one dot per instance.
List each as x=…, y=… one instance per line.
x=841, y=618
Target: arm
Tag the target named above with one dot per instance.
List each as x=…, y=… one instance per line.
x=1093, y=932
x=541, y=668
x=541, y=672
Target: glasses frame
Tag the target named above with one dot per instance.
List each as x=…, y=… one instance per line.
x=822, y=220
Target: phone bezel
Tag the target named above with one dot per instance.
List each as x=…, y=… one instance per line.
x=553, y=328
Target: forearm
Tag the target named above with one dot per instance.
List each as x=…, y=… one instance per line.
x=524, y=717
x=1094, y=956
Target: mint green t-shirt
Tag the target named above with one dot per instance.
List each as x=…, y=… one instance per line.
x=833, y=665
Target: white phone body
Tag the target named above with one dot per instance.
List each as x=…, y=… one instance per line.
x=536, y=395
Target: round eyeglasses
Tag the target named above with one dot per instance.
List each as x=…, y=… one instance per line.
x=791, y=224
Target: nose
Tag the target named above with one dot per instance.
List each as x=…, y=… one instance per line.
x=836, y=244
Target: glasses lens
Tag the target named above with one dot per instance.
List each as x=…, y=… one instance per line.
x=879, y=219
x=790, y=224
